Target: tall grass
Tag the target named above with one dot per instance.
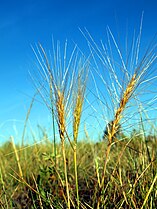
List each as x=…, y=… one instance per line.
x=79, y=99
x=69, y=173
x=66, y=83
x=121, y=91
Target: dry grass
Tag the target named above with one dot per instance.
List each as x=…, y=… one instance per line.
x=123, y=102
x=78, y=105
x=67, y=91
x=120, y=92
x=130, y=185
x=61, y=114
x=119, y=173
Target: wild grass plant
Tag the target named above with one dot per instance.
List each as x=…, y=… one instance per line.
x=73, y=173
x=135, y=72
x=66, y=99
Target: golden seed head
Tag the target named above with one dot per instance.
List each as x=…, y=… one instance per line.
x=77, y=115
x=61, y=114
x=122, y=105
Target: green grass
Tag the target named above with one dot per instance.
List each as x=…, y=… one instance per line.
x=129, y=175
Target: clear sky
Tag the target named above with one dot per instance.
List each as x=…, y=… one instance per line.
x=27, y=22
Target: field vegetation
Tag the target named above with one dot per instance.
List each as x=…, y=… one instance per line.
x=117, y=171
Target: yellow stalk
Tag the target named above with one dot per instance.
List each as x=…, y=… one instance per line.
x=114, y=127
x=76, y=124
x=17, y=158
x=148, y=193
x=61, y=125
x=81, y=87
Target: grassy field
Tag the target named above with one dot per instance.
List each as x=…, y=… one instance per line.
x=35, y=179
x=119, y=171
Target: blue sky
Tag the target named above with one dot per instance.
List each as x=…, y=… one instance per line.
x=25, y=23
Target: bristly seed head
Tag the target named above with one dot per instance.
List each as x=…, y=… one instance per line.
x=61, y=113
x=77, y=115
x=118, y=114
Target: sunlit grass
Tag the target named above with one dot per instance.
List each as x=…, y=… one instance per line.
x=117, y=172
